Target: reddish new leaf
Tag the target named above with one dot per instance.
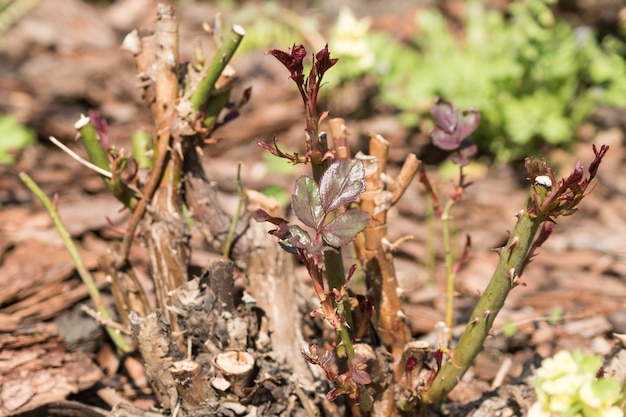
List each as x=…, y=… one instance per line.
x=445, y=114
x=465, y=154
x=342, y=183
x=444, y=140
x=345, y=386
x=452, y=129
x=281, y=232
x=306, y=203
x=323, y=61
x=343, y=229
x=358, y=372
x=595, y=164
x=261, y=215
x=292, y=60
x=469, y=122
x=300, y=239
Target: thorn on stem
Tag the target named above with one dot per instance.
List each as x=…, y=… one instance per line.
x=486, y=315
x=512, y=276
x=519, y=214
x=498, y=250
x=514, y=243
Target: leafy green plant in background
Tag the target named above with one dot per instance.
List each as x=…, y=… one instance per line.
x=533, y=78
x=13, y=138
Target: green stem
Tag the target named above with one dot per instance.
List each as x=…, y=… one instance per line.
x=99, y=157
x=347, y=342
x=97, y=154
x=512, y=259
x=449, y=263
x=222, y=57
x=431, y=251
x=335, y=274
x=365, y=402
x=83, y=272
x=142, y=142
x=233, y=225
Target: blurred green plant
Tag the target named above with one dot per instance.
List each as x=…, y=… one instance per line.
x=276, y=165
x=509, y=329
x=555, y=315
x=269, y=24
x=13, y=138
x=533, y=78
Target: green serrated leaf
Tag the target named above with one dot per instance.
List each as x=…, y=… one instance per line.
x=343, y=229
x=306, y=203
x=342, y=183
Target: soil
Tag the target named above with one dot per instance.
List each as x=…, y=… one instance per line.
x=55, y=66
